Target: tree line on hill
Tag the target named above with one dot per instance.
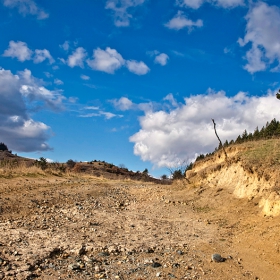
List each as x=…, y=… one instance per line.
x=270, y=130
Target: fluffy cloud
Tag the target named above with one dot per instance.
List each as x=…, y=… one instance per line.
x=18, y=94
x=263, y=33
x=21, y=51
x=167, y=138
x=107, y=61
x=138, y=68
x=37, y=95
x=77, y=58
x=195, y=4
x=161, y=59
x=171, y=99
x=122, y=104
x=27, y=7
x=120, y=9
x=18, y=50
x=180, y=21
x=41, y=55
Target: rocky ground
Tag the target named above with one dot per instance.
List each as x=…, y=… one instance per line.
x=91, y=228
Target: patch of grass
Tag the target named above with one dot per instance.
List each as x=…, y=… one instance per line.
x=263, y=151
x=11, y=169
x=202, y=209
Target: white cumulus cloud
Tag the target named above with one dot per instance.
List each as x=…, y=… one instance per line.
x=21, y=51
x=20, y=93
x=41, y=55
x=108, y=60
x=120, y=10
x=167, y=138
x=27, y=7
x=123, y=103
x=18, y=50
x=34, y=91
x=77, y=58
x=263, y=35
x=180, y=21
x=137, y=67
x=161, y=59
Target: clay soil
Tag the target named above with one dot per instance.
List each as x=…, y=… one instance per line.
x=91, y=228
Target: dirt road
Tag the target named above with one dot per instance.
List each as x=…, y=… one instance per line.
x=89, y=228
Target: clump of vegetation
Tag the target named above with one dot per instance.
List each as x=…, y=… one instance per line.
x=146, y=172
x=178, y=174
x=42, y=163
x=3, y=147
x=179, y=171
x=70, y=163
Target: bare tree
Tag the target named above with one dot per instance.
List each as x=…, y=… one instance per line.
x=221, y=144
x=178, y=172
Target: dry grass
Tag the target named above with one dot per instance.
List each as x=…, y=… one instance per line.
x=263, y=151
x=10, y=169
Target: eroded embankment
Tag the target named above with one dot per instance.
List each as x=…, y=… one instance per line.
x=245, y=179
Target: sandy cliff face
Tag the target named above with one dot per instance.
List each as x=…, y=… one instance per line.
x=252, y=180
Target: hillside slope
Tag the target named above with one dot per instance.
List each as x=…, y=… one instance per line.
x=251, y=171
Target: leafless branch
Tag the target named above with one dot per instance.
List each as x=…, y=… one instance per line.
x=226, y=157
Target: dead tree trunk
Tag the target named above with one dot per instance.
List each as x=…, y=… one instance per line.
x=226, y=157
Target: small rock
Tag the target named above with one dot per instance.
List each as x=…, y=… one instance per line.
x=217, y=258
x=82, y=251
x=175, y=265
x=73, y=266
x=112, y=249
x=156, y=264
x=104, y=254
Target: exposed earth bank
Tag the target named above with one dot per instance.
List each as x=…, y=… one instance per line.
x=91, y=228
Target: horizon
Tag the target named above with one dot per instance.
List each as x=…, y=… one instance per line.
x=135, y=82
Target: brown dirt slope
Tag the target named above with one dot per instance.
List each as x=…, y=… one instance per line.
x=252, y=172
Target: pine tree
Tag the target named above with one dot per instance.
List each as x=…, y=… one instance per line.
x=3, y=147
x=238, y=140
x=250, y=137
x=244, y=136
x=262, y=133
x=256, y=134
x=226, y=143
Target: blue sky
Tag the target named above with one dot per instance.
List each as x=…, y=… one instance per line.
x=135, y=82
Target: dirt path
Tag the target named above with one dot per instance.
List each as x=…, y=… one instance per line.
x=85, y=228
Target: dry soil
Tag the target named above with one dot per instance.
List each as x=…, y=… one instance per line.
x=91, y=228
